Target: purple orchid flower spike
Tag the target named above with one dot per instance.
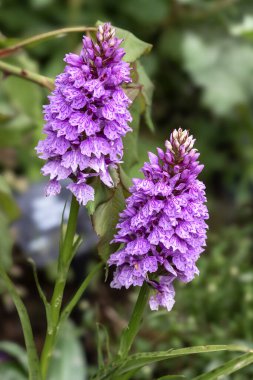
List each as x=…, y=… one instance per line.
x=163, y=229
x=87, y=116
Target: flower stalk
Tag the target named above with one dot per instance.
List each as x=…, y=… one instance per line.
x=64, y=261
x=133, y=327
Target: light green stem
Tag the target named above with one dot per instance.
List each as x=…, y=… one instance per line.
x=73, y=302
x=41, y=80
x=42, y=37
x=133, y=327
x=64, y=260
x=33, y=360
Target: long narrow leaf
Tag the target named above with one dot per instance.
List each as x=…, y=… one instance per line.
x=42, y=295
x=99, y=347
x=139, y=360
x=33, y=361
x=136, y=361
x=226, y=369
x=15, y=351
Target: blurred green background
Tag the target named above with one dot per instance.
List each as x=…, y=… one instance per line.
x=202, y=68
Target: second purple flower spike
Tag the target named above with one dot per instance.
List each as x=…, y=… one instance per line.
x=163, y=227
x=87, y=116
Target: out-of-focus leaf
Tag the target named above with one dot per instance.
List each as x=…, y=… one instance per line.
x=25, y=97
x=41, y=3
x=15, y=351
x=245, y=28
x=100, y=347
x=6, y=42
x=147, y=89
x=68, y=361
x=133, y=46
x=150, y=14
x=10, y=371
x=14, y=131
x=222, y=69
x=172, y=377
x=226, y=369
x=170, y=44
x=7, y=204
x=103, y=344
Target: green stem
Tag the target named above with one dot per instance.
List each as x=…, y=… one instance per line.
x=133, y=327
x=73, y=302
x=66, y=251
x=26, y=74
x=33, y=360
x=42, y=37
x=64, y=260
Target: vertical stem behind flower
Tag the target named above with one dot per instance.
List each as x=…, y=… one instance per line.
x=64, y=260
x=133, y=327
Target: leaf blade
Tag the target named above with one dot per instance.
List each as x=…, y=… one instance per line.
x=228, y=368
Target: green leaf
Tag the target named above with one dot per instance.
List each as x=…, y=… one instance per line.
x=222, y=69
x=7, y=204
x=147, y=90
x=139, y=360
x=130, y=141
x=244, y=29
x=22, y=93
x=15, y=351
x=33, y=360
x=68, y=358
x=13, y=132
x=126, y=376
x=133, y=46
x=103, y=344
x=172, y=377
x=42, y=295
x=10, y=371
x=149, y=13
x=105, y=218
x=99, y=347
x=125, y=180
x=6, y=242
x=226, y=369
x=9, y=211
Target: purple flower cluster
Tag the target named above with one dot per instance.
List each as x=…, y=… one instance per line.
x=163, y=229
x=87, y=116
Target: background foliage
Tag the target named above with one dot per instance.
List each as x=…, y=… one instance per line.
x=202, y=66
